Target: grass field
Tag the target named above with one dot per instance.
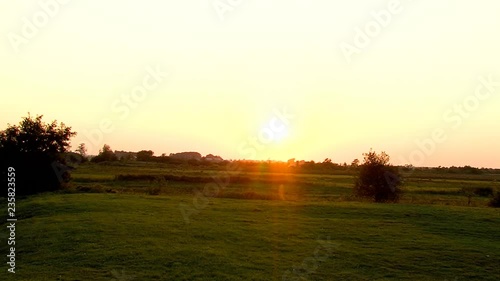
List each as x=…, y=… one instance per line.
x=419, y=187
x=313, y=231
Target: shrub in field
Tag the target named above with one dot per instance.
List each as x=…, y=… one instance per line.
x=495, y=201
x=483, y=191
x=478, y=191
x=377, y=179
x=156, y=185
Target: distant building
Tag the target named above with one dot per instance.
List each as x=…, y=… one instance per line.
x=213, y=158
x=125, y=155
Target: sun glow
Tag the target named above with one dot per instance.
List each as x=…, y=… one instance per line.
x=258, y=67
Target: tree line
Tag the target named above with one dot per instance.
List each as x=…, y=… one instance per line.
x=39, y=152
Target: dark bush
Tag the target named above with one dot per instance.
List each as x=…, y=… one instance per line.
x=145, y=155
x=378, y=179
x=483, y=191
x=495, y=201
x=35, y=150
x=35, y=172
x=478, y=191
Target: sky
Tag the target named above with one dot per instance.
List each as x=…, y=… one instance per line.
x=261, y=79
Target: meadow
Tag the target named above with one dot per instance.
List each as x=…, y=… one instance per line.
x=125, y=221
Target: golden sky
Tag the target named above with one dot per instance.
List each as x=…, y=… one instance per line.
x=261, y=79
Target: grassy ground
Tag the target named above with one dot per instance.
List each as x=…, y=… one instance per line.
x=419, y=187
x=139, y=237
x=312, y=229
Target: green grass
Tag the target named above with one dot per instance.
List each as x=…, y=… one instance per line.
x=129, y=235
x=419, y=188
x=105, y=236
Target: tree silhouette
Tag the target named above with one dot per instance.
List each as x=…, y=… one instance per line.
x=145, y=155
x=105, y=154
x=35, y=150
x=378, y=179
x=82, y=150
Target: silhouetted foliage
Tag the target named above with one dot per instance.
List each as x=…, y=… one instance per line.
x=378, y=179
x=73, y=159
x=145, y=155
x=105, y=154
x=458, y=170
x=35, y=150
x=82, y=150
x=495, y=201
x=478, y=191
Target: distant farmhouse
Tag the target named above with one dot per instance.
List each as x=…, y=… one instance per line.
x=213, y=158
x=125, y=155
x=195, y=156
x=183, y=156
